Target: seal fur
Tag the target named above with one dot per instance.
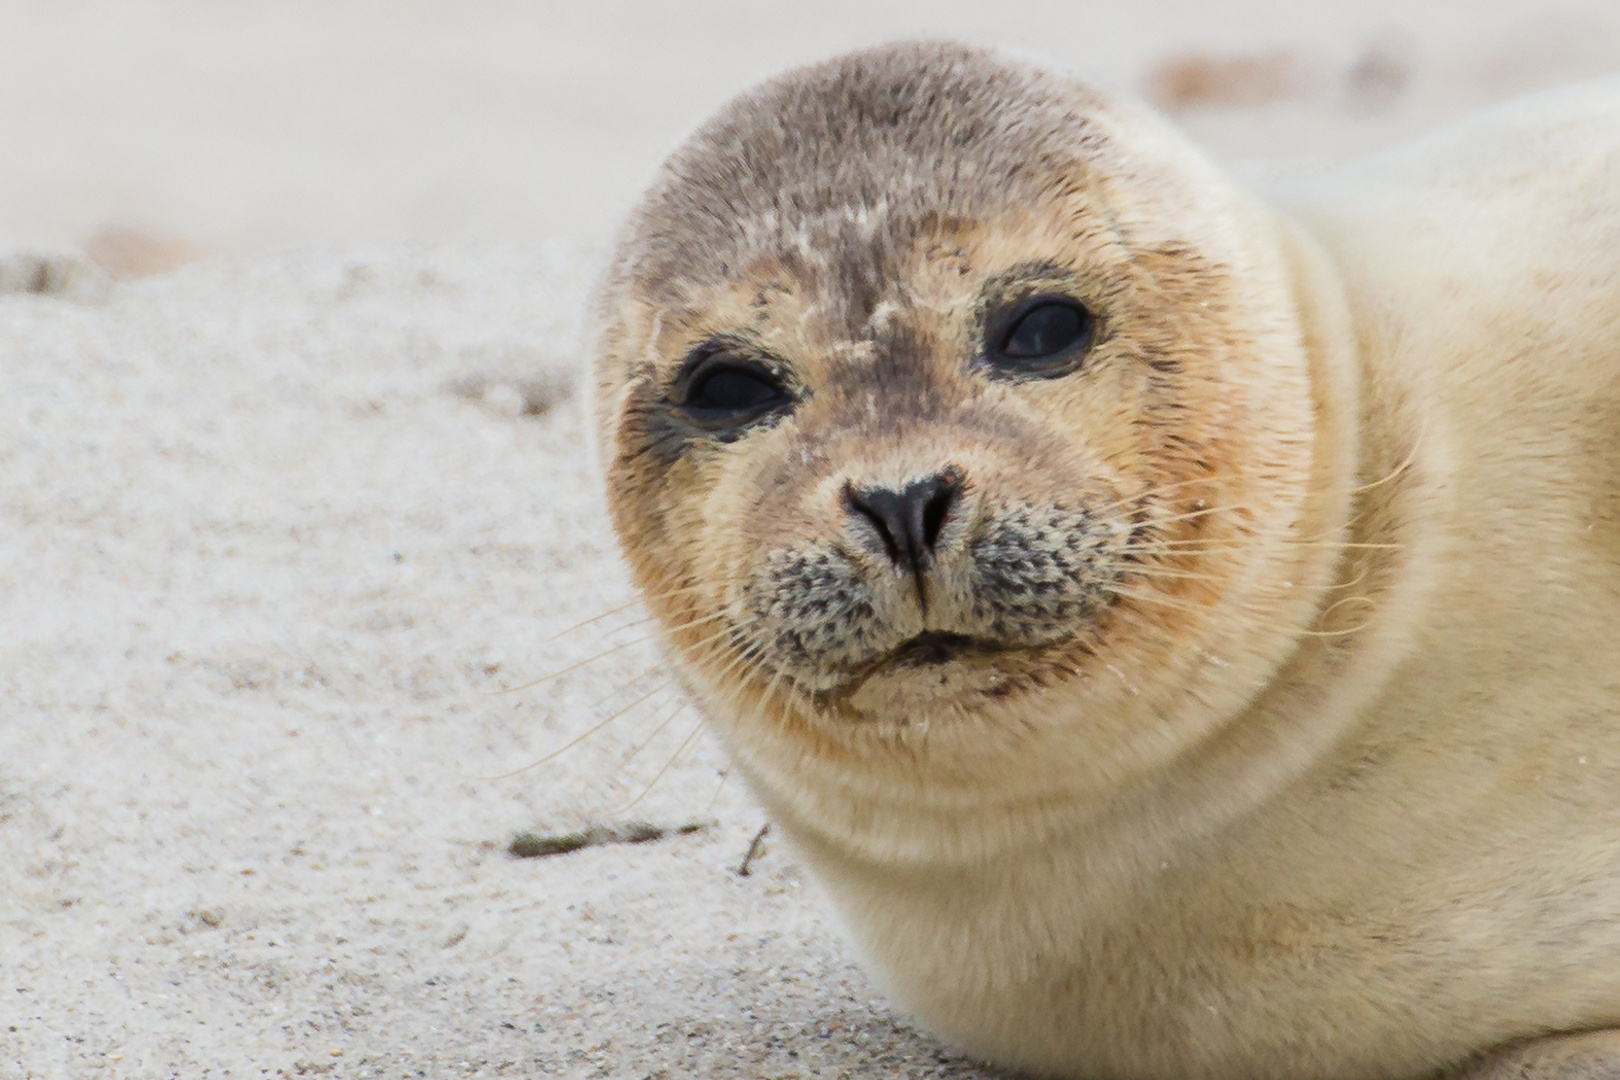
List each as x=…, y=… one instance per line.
x=1258, y=711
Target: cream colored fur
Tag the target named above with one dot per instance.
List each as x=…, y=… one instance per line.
x=1365, y=822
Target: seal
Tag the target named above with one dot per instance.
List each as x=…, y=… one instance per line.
x=1180, y=628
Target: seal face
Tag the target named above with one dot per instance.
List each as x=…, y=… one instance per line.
x=927, y=387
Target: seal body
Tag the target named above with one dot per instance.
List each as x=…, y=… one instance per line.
x=1181, y=629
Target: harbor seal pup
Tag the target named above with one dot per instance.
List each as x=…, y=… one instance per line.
x=1180, y=629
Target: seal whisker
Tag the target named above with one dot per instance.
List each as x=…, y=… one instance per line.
x=624, y=762
x=1405, y=463
x=1156, y=598
x=659, y=775
x=1157, y=491
x=639, y=601
x=1346, y=632
x=1149, y=570
x=586, y=734
x=603, y=654
x=725, y=774
x=1201, y=545
x=1328, y=611
x=1200, y=512
x=628, y=684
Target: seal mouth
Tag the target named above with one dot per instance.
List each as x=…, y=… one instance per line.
x=933, y=648
x=930, y=655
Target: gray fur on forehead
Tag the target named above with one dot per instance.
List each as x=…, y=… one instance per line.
x=925, y=128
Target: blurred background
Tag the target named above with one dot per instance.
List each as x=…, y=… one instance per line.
x=151, y=132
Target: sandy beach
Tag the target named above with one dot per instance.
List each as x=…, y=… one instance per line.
x=304, y=577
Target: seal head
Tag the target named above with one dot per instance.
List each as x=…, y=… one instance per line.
x=957, y=424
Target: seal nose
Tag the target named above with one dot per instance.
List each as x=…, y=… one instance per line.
x=910, y=520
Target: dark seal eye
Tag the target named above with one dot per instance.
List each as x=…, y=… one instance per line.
x=725, y=391
x=1044, y=337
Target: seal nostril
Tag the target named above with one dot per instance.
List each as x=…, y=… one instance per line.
x=935, y=511
x=909, y=521
x=883, y=511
